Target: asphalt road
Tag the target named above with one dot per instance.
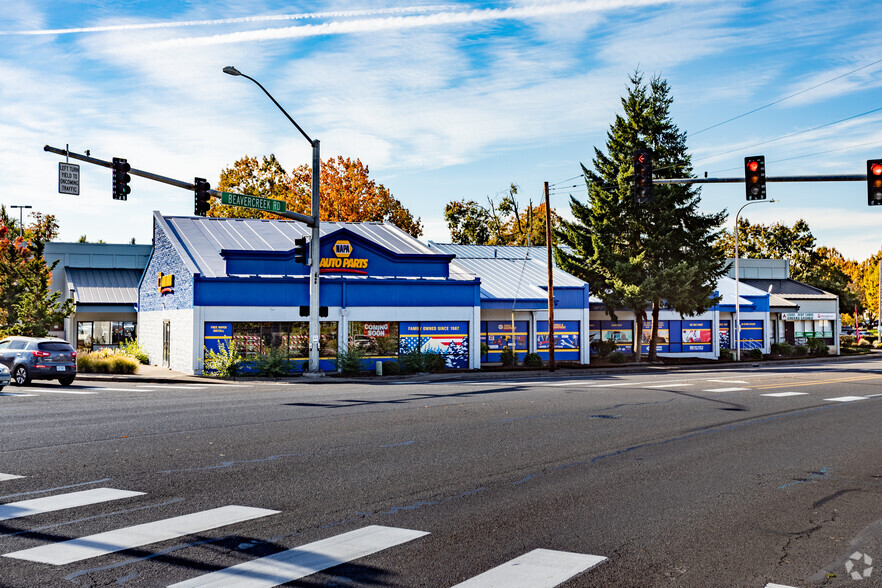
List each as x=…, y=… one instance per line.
x=743, y=477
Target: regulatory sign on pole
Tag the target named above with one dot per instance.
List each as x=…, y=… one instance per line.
x=267, y=204
x=68, y=178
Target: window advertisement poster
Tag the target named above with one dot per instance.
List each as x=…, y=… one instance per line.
x=500, y=335
x=751, y=334
x=566, y=340
x=662, y=339
x=622, y=333
x=697, y=336
x=217, y=334
x=725, y=336
x=593, y=336
x=450, y=339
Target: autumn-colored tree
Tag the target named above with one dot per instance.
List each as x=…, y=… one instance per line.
x=348, y=194
x=502, y=223
x=27, y=304
x=821, y=267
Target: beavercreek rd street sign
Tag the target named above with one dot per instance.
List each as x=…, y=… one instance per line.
x=68, y=178
x=266, y=204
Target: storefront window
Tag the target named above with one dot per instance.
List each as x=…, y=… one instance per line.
x=84, y=335
x=374, y=338
x=255, y=339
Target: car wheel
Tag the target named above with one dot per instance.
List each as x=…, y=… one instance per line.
x=20, y=376
x=66, y=381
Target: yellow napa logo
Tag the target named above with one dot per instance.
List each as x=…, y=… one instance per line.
x=342, y=248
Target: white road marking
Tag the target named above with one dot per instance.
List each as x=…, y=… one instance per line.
x=729, y=381
x=846, y=398
x=784, y=394
x=73, y=550
x=177, y=386
x=778, y=586
x=71, y=391
x=305, y=560
x=4, y=477
x=34, y=506
x=15, y=394
x=540, y=568
x=672, y=385
x=725, y=390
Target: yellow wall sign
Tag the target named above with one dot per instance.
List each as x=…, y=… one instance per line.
x=342, y=263
x=166, y=283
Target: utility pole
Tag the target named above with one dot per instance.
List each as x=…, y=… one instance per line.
x=550, y=281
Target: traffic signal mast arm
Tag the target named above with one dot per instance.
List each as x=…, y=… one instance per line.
x=831, y=178
x=307, y=220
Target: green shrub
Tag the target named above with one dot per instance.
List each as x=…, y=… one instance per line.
x=847, y=340
x=132, y=348
x=617, y=357
x=754, y=354
x=414, y=362
x=605, y=347
x=223, y=363
x=725, y=354
x=106, y=361
x=533, y=360
x=434, y=362
x=349, y=362
x=817, y=346
x=800, y=351
x=274, y=363
x=391, y=368
x=863, y=343
x=784, y=349
x=508, y=357
x=485, y=349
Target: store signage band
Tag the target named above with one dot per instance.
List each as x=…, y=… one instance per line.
x=808, y=316
x=266, y=204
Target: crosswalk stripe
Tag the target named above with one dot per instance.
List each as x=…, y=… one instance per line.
x=82, y=391
x=73, y=550
x=847, y=398
x=777, y=586
x=304, y=560
x=4, y=477
x=540, y=568
x=34, y=506
x=785, y=394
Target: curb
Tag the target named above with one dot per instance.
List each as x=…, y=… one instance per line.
x=453, y=377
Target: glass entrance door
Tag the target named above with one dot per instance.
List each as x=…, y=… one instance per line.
x=166, y=343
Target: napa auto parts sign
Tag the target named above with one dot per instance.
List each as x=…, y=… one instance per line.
x=343, y=262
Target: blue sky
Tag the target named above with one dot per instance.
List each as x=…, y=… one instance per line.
x=441, y=101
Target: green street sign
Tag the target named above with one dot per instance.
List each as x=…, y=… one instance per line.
x=265, y=204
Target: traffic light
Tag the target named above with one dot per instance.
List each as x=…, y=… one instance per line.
x=642, y=176
x=874, y=182
x=301, y=250
x=202, y=198
x=755, y=177
x=121, y=179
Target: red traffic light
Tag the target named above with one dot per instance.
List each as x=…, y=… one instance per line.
x=876, y=169
x=753, y=165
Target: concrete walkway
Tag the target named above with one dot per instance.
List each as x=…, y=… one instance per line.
x=158, y=375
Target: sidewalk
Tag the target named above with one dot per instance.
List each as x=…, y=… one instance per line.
x=158, y=375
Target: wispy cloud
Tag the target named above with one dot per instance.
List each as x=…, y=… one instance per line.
x=373, y=25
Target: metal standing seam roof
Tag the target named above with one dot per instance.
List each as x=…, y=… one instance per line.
x=204, y=238
x=515, y=279
x=104, y=286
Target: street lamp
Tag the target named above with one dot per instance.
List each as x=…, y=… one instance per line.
x=20, y=217
x=314, y=329
x=737, y=309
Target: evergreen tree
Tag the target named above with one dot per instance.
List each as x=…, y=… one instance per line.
x=655, y=255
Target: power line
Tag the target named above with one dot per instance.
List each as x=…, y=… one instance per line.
x=876, y=142
x=785, y=98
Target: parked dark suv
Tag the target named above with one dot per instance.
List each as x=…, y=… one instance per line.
x=38, y=358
